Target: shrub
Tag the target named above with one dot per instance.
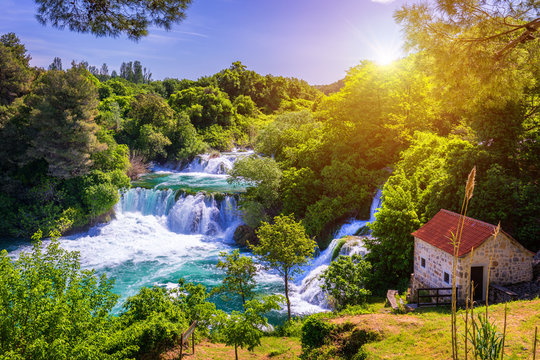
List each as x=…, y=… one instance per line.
x=314, y=332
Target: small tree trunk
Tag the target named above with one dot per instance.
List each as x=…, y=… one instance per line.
x=287, y=295
x=236, y=351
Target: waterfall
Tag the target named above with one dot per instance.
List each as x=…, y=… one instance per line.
x=353, y=225
x=310, y=288
x=214, y=163
x=190, y=214
x=147, y=202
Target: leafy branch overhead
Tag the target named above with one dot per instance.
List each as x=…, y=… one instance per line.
x=111, y=17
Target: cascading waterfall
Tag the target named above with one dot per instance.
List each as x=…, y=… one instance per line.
x=159, y=236
x=210, y=163
x=147, y=202
x=352, y=225
x=310, y=288
x=190, y=214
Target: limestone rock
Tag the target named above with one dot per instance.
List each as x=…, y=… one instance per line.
x=244, y=234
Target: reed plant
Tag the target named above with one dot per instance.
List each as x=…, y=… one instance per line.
x=487, y=343
x=456, y=242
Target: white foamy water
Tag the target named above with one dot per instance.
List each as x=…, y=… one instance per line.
x=159, y=236
x=309, y=289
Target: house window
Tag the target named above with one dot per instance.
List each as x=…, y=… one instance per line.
x=423, y=262
x=446, y=278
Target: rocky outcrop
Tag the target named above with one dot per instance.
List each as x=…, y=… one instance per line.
x=245, y=234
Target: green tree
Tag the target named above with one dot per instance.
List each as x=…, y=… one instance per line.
x=206, y=106
x=244, y=329
x=284, y=247
x=262, y=196
x=111, y=18
x=64, y=105
x=49, y=307
x=484, y=52
x=15, y=74
x=56, y=64
x=240, y=274
x=345, y=280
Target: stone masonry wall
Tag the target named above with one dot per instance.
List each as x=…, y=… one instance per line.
x=511, y=263
x=437, y=263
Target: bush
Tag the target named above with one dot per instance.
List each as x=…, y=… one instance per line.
x=291, y=328
x=50, y=308
x=344, y=281
x=314, y=332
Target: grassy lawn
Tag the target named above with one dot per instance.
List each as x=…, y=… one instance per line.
x=274, y=348
x=421, y=335
x=425, y=334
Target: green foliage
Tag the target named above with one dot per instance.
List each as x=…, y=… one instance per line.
x=264, y=175
x=474, y=49
x=205, y=106
x=338, y=247
x=345, y=279
x=427, y=179
x=49, y=307
x=150, y=322
x=244, y=329
x=15, y=71
x=218, y=138
x=300, y=188
x=240, y=274
x=291, y=328
x=131, y=18
x=64, y=105
x=284, y=247
x=486, y=340
x=185, y=141
x=314, y=332
x=288, y=130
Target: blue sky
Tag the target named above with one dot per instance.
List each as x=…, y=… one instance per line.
x=315, y=40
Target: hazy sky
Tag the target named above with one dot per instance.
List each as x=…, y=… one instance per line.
x=315, y=40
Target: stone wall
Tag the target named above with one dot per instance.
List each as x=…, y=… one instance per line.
x=511, y=262
x=437, y=263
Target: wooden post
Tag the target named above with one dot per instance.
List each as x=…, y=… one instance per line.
x=193, y=342
x=534, y=343
x=181, y=345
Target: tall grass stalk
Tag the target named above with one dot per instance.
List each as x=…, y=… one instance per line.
x=456, y=242
x=473, y=329
x=467, y=300
x=504, y=330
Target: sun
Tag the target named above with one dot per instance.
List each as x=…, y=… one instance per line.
x=386, y=55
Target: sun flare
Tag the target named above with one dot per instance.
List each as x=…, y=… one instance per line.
x=386, y=56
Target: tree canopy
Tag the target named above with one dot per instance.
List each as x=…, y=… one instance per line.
x=284, y=247
x=111, y=18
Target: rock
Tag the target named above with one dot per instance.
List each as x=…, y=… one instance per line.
x=244, y=234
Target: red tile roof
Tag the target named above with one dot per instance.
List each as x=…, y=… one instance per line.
x=438, y=232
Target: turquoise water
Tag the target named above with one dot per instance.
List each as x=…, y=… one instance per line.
x=159, y=236
x=189, y=182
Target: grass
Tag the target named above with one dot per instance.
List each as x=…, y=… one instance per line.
x=425, y=333
x=272, y=348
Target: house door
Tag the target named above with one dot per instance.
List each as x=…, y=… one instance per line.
x=477, y=279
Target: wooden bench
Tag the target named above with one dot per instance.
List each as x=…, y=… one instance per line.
x=184, y=339
x=391, y=297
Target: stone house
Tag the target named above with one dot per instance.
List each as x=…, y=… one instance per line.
x=433, y=253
